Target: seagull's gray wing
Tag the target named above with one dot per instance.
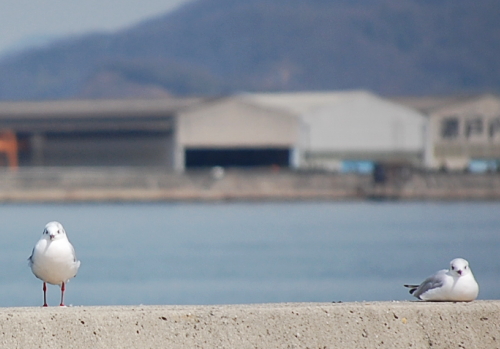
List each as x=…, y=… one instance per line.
x=432, y=282
x=74, y=254
x=30, y=258
x=75, y=260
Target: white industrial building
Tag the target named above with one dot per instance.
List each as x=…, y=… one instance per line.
x=309, y=130
x=345, y=128
x=235, y=132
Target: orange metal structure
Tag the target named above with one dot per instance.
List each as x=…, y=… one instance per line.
x=9, y=146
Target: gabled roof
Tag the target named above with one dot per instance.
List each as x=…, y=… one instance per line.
x=484, y=105
x=428, y=104
x=348, y=120
x=93, y=107
x=300, y=103
x=91, y=115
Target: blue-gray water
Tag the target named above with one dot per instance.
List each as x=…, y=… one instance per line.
x=191, y=253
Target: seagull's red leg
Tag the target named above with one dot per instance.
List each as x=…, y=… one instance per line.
x=63, y=288
x=44, y=294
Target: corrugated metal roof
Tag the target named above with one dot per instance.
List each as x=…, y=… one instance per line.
x=91, y=108
x=302, y=102
x=92, y=115
x=232, y=122
x=485, y=105
x=349, y=120
x=428, y=104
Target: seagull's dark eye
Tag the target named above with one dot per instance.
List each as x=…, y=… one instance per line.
x=45, y=232
x=465, y=267
x=452, y=267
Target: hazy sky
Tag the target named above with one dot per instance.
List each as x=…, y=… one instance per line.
x=25, y=20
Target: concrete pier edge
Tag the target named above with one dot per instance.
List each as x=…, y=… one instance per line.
x=153, y=184
x=285, y=325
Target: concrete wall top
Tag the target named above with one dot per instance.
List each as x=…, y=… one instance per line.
x=293, y=325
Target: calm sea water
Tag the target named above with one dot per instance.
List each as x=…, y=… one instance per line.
x=190, y=253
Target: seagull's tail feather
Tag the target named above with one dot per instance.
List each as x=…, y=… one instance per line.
x=412, y=288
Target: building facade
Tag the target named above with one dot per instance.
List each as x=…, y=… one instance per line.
x=336, y=131
x=465, y=135
x=93, y=132
x=351, y=130
x=231, y=132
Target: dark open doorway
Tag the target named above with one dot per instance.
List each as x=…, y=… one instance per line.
x=248, y=157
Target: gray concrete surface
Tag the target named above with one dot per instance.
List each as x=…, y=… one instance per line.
x=293, y=325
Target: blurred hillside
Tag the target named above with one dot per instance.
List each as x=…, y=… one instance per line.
x=211, y=47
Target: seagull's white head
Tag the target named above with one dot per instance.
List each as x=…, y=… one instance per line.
x=54, y=231
x=459, y=267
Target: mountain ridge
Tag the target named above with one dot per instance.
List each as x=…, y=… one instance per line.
x=214, y=47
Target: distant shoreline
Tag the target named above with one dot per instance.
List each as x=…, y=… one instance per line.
x=139, y=184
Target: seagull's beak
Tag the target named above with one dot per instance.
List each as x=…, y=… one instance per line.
x=52, y=236
x=459, y=272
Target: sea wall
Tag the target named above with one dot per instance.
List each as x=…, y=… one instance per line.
x=293, y=325
x=146, y=184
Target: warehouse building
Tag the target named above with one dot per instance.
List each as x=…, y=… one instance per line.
x=233, y=132
x=89, y=132
x=351, y=130
x=337, y=131
x=466, y=136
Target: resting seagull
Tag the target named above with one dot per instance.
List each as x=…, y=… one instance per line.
x=53, y=259
x=454, y=285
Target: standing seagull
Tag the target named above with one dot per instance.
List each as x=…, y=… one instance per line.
x=53, y=259
x=454, y=285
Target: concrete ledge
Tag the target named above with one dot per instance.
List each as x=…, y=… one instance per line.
x=78, y=184
x=294, y=325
